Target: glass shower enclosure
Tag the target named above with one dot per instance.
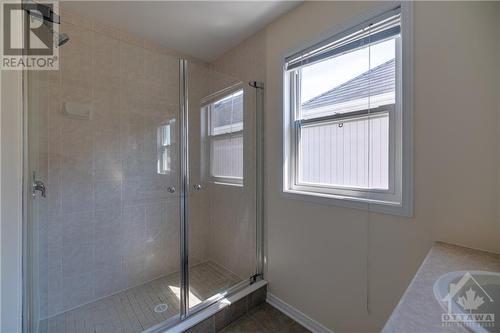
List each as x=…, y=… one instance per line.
x=142, y=187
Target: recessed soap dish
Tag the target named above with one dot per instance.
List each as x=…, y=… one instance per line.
x=78, y=110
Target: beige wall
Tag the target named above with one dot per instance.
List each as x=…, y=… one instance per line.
x=348, y=268
x=464, y=90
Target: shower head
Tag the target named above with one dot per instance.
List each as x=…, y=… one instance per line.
x=45, y=15
x=59, y=38
x=62, y=39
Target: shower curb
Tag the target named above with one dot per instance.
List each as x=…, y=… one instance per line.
x=225, y=311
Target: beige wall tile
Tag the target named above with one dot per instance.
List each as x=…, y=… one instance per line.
x=101, y=172
x=114, y=224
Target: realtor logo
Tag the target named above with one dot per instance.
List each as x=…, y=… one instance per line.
x=464, y=300
x=29, y=36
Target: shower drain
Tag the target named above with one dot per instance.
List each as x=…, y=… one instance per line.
x=161, y=308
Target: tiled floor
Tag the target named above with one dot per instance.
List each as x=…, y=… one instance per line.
x=132, y=310
x=264, y=319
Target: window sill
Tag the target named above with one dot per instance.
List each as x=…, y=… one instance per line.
x=384, y=207
x=222, y=183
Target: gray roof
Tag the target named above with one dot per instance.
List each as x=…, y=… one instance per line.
x=376, y=81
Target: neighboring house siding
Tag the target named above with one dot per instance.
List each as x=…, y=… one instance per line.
x=339, y=155
x=227, y=156
x=354, y=152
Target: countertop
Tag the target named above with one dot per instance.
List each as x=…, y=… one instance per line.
x=418, y=310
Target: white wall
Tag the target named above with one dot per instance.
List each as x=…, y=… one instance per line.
x=348, y=268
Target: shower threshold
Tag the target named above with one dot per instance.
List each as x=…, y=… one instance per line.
x=133, y=310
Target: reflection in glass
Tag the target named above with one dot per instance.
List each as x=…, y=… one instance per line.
x=165, y=149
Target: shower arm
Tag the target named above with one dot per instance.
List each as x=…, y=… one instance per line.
x=41, y=12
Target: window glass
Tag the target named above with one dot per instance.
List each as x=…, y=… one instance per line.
x=352, y=151
x=227, y=114
x=226, y=156
x=358, y=80
x=346, y=153
x=343, y=134
x=226, y=138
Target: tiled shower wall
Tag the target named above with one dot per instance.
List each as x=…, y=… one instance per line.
x=108, y=222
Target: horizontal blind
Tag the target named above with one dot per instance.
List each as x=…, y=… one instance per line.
x=382, y=27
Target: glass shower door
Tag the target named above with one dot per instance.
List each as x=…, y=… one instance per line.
x=221, y=197
x=150, y=207
x=103, y=246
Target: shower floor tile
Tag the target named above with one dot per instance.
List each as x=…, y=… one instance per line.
x=133, y=310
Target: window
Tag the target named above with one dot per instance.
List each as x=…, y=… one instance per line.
x=344, y=115
x=225, y=131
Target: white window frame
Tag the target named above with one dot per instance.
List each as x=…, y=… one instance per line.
x=398, y=199
x=206, y=107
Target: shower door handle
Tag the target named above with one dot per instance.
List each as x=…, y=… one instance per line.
x=39, y=186
x=197, y=187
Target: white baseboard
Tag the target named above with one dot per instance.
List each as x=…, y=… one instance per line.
x=309, y=323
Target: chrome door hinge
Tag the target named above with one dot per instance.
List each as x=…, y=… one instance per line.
x=256, y=277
